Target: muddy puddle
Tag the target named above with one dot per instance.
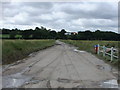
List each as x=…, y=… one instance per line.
x=64, y=80
x=109, y=84
x=14, y=81
x=17, y=79
x=76, y=50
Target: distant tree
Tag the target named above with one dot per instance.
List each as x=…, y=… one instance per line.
x=6, y=31
x=37, y=28
x=13, y=33
x=61, y=34
x=40, y=33
x=52, y=34
x=27, y=34
x=97, y=35
x=0, y=31
x=88, y=35
x=63, y=31
x=43, y=33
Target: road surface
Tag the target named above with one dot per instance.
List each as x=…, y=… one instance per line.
x=60, y=66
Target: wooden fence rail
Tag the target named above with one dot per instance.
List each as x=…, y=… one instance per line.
x=112, y=52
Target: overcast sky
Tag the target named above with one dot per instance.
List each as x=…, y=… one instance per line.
x=77, y=16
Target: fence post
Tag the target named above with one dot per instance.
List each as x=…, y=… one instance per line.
x=98, y=49
x=103, y=50
x=111, y=53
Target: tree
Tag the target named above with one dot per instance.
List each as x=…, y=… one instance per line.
x=43, y=33
x=13, y=33
x=27, y=34
x=61, y=34
x=63, y=31
x=5, y=31
x=52, y=34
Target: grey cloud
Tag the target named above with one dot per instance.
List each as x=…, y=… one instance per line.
x=43, y=5
x=71, y=16
x=101, y=10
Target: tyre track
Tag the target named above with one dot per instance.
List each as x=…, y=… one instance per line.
x=70, y=59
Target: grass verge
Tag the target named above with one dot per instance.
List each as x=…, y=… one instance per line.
x=13, y=50
x=89, y=47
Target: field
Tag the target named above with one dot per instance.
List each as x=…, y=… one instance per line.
x=6, y=36
x=89, y=46
x=13, y=50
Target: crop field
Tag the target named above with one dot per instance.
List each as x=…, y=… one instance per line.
x=13, y=50
x=89, y=46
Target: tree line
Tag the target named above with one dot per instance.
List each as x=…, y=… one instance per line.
x=43, y=33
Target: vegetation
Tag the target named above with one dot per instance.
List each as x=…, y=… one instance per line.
x=89, y=47
x=43, y=33
x=13, y=50
x=4, y=36
x=37, y=33
x=17, y=49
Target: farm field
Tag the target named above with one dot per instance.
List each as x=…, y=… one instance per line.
x=89, y=46
x=13, y=50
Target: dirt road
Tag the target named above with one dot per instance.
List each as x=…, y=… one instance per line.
x=60, y=66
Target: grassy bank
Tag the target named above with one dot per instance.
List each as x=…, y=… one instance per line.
x=13, y=50
x=89, y=47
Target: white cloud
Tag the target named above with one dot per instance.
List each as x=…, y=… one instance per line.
x=72, y=16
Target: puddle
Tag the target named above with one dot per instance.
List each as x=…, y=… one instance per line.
x=109, y=84
x=75, y=50
x=18, y=79
x=63, y=80
x=14, y=81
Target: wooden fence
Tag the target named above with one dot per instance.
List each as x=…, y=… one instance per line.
x=112, y=52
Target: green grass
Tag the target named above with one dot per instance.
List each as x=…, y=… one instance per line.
x=4, y=36
x=18, y=36
x=8, y=36
x=13, y=50
x=89, y=47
